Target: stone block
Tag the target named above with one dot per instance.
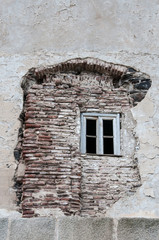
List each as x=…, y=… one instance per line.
x=32, y=229
x=138, y=229
x=3, y=228
x=75, y=228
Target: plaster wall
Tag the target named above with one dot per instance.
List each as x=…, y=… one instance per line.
x=48, y=32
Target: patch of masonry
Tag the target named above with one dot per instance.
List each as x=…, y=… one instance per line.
x=57, y=178
x=135, y=82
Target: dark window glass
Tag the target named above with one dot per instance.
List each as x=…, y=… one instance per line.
x=91, y=127
x=91, y=145
x=107, y=127
x=108, y=146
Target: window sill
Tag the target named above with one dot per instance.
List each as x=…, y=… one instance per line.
x=101, y=155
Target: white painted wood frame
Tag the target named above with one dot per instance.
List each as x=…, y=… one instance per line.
x=99, y=117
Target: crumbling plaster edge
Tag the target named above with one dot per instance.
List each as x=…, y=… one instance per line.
x=116, y=70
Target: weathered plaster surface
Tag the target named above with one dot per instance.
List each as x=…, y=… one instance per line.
x=48, y=32
x=57, y=25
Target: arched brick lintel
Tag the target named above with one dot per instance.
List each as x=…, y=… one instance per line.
x=136, y=82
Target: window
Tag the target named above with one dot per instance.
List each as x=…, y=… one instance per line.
x=100, y=133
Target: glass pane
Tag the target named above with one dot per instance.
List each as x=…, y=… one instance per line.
x=90, y=145
x=91, y=127
x=108, y=146
x=107, y=127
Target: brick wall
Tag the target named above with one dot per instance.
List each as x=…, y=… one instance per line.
x=57, y=176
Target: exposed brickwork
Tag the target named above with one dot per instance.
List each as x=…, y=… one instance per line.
x=104, y=181
x=136, y=83
x=57, y=176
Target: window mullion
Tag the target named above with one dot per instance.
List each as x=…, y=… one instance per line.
x=100, y=135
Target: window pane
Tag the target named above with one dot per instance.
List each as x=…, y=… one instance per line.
x=91, y=127
x=108, y=146
x=107, y=127
x=90, y=145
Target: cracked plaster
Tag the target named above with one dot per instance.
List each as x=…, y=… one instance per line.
x=45, y=33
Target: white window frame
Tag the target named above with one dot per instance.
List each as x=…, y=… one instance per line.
x=99, y=121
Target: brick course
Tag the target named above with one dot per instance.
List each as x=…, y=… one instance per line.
x=57, y=176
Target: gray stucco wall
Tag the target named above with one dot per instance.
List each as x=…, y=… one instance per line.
x=35, y=33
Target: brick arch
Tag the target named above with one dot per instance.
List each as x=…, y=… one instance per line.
x=135, y=82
